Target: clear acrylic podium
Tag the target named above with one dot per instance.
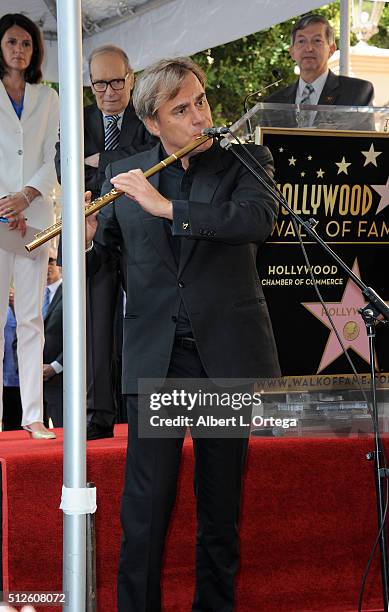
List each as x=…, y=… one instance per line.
x=321, y=117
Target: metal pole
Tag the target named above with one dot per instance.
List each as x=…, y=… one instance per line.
x=73, y=261
x=344, y=42
x=369, y=316
x=91, y=591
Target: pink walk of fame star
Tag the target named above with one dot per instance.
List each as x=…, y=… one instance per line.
x=383, y=190
x=348, y=323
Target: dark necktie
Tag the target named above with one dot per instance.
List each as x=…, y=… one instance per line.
x=112, y=133
x=305, y=118
x=46, y=302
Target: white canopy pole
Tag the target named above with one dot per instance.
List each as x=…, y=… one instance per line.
x=73, y=261
x=344, y=51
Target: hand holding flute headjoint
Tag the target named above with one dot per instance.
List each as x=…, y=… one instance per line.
x=96, y=205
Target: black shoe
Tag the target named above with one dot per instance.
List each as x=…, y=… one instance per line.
x=96, y=432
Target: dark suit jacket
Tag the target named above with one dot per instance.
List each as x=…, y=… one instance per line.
x=133, y=138
x=53, y=351
x=339, y=90
x=227, y=216
x=53, y=348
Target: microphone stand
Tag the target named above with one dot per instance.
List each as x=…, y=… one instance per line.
x=375, y=311
x=260, y=92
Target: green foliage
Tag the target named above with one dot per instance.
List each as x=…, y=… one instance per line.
x=381, y=39
x=243, y=66
x=88, y=96
x=54, y=86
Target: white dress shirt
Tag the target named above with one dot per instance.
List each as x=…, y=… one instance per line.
x=119, y=123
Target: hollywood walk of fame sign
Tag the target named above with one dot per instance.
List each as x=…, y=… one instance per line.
x=341, y=180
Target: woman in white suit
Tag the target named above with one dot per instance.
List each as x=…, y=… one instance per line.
x=29, y=131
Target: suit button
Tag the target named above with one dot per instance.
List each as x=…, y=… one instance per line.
x=20, y=152
x=174, y=319
x=181, y=284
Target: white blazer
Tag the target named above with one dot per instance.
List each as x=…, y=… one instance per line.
x=27, y=149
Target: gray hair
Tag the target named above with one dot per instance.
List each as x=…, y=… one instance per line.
x=307, y=20
x=161, y=82
x=110, y=49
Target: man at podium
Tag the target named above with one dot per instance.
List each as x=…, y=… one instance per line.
x=313, y=43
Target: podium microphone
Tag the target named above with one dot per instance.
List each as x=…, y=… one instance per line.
x=278, y=78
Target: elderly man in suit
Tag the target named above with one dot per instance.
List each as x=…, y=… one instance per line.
x=313, y=43
x=53, y=347
x=111, y=128
x=195, y=309
x=111, y=131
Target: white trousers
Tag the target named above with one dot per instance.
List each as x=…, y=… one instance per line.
x=29, y=280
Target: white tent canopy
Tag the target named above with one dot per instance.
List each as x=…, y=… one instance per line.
x=149, y=30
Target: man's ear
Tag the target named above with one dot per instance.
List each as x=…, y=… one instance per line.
x=93, y=91
x=291, y=53
x=153, y=126
x=332, y=49
x=131, y=79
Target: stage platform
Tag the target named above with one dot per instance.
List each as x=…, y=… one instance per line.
x=308, y=523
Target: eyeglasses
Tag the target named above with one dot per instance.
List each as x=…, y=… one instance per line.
x=116, y=84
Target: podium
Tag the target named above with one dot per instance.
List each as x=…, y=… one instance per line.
x=331, y=165
x=318, y=117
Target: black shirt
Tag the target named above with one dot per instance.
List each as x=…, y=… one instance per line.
x=175, y=184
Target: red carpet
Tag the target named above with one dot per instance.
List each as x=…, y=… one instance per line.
x=308, y=523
